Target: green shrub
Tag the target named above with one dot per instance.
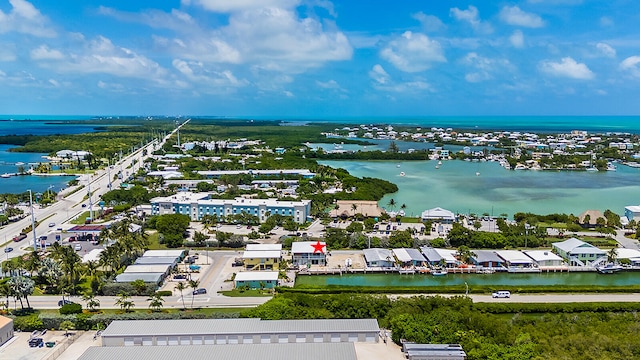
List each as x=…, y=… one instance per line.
x=70, y=309
x=52, y=320
x=113, y=289
x=27, y=323
x=164, y=293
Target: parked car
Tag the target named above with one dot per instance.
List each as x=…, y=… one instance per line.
x=78, y=247
x=8, y=249
x=72, y=238
x=36, y=342
x=179, y=277
x=65, y=302
x=501, y=294
x=199, y=291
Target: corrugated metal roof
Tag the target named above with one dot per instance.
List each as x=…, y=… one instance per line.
x=263, y=247
x=236, y=326
x=162, y=253
x=262, y=254
x=155, y=260
x=288, y=351
x=376, y=254
x=431, y=254
x=406, y=255
x=486, y=256
x=306, y=247
x=146, y=277
x=256, y=275
x=147, y=268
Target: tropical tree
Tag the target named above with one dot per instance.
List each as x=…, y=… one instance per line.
x=124, y=302
x=93, y=303
x=465, y=254
x=67, y=325
x=392, y=204
x=139, y=286
x=612, y=255
x=21, y=287
x=155, y=302
x=181, y=287
x=193, y=284
x=354, y=207
x=50, y=271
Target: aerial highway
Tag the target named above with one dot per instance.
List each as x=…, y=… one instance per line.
x=70, y=204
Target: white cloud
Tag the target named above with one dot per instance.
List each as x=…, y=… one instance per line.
x=430, y=23
x=44, y=53
x=226, y=6
x=567, y=67
x=606, y=50
x=630, y=65
x=413, y=52
x=483, y=68
x=513, y=15
x=197, y=72
x=272, y=39
x=606, y=21
x=288, y=93
x=378, y=74
x=331, y=84
x=517, y=39
x=472, y=16
x=25, y=18
x=176, y=20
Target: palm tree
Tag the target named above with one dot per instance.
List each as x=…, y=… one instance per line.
x=155, y=302
x=354, y=207
x=124, y=302
x=391, y=204
x=612, y=255
x=22, y=287
x=92, y=302
x=465, y=254
x=194, y=285
x=181, y=287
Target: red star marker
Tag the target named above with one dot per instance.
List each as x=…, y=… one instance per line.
x=317, y=247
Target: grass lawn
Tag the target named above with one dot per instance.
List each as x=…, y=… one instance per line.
x=154, y=242
x=80, y=219
x=246, y=293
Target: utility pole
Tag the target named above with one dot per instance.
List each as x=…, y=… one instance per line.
x=33, y=223
x=90, y=202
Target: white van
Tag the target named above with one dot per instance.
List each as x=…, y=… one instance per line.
x=501, y=294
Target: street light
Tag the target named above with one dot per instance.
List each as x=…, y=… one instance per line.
x=466, y=292
x=33, y=222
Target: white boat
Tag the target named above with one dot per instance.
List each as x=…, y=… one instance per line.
x=520, y=167
x=19, y=163
x=611, y=167
x=5, y=175
x=398, y=165
x=439, y=162
x=591, y=169
x=402, y=173
x=477, y=173
x=437, y=166
x=609, y=269
x=439, y=272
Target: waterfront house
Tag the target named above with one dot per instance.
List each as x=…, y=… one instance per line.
x=515, y=259
x=545, y=258
x=409, y=257
x=486, y=259
x=256, y=280
x=578, y=252
x=307, y=253
x=437, y=257
x=438, y=214
x=632, y=212
x=381, y=258
x=632, y=255
x=261, y=259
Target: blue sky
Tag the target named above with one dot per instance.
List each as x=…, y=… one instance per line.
x=320, y=58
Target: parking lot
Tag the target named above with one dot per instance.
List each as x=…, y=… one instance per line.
x=18, y=347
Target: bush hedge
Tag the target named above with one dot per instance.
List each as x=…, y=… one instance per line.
x=70, y=309
x=113, y=289
x=460, y=289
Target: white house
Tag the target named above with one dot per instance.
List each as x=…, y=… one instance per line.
x=438, y=214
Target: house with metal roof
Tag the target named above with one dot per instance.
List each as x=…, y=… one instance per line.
x=307, y=253
x=516, y=260
x=409, y=257
x=155, y=278
x=153, y=268
x=156, y=260
x=545, y=258
x=632, y=255
x=438, y=214
x=288, y=351
x=238, y=331
x=256, y=280
x=486, y=259
x=263, y=247
x=577, y=252
x=632, y=212
x=178, y=254
x=440, y=256
x=379, y=258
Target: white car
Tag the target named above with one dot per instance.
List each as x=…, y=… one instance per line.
x=78, y=247
x=501, y=294
x=52, y=224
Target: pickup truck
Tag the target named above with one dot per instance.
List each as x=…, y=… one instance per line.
x=19, y=237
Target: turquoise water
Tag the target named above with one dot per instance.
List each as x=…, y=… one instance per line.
x=455, y=186
x=20, y=184
x=498, y=279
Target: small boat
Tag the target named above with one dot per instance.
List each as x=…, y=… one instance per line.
x=477, y=173
x=439, y=272
x=19, y=163
x=611, y=167
x=5, y=175
x=402, y=173
x=437, y=166
x=439, y=162
x=398, y=165
x=609, y=269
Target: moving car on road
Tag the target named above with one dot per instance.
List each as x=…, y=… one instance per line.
x=501, y=294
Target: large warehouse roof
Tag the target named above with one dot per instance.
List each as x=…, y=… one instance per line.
x=288, y=351
x=236, y=326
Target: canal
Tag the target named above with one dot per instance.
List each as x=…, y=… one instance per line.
x=497, y=279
